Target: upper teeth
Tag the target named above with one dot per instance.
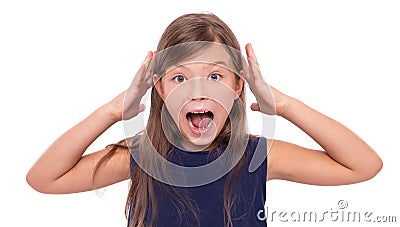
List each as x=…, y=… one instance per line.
x=199, y=112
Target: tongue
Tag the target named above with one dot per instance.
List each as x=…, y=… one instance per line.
x=200, y=120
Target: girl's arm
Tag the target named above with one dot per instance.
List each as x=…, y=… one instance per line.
x=63, y=169
x=346, y=158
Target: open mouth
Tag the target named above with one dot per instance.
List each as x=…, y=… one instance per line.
x=200, y=122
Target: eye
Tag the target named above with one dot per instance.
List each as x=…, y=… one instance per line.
x=179, y=78
x=214, y=76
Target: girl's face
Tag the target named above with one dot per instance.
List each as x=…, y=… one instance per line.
x=199, y=97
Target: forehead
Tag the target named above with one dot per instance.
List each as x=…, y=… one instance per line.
x=215, y=55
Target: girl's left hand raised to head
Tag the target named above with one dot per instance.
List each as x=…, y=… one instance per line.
x=269, y=100
x=345, y=157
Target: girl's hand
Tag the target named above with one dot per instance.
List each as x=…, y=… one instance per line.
x=127, y=104
x=269, y=100
x=350, y=161
x=64, y=169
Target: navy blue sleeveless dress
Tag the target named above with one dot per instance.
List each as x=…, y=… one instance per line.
x=209, y=198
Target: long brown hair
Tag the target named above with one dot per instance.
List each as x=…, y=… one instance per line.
x=141, y=197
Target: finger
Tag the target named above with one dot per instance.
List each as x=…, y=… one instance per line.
x=148, y=57
x=254, y=69
x=142, y=107
x=250, y=53
x=142, y=72
x=245, y=72
x=148, y=75
x=139, y=76
x=255, y=107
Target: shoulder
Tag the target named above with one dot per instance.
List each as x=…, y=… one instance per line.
x=131, y=145
x=257, y=144
x=256, y=140
x=257, y=151
x=127, y=148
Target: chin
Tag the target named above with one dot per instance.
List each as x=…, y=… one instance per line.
x=204, y=139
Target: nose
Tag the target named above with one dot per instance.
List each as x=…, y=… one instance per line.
x=198, y=89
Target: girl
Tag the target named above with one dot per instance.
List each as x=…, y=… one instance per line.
x=199, y=130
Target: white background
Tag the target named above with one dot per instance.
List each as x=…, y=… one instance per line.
x=60, y=60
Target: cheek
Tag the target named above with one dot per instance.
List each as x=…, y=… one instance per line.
x=222, y=116
x=175, y=97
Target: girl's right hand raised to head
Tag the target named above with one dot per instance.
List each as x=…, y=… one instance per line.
x=127, y=104
x=64, y=169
